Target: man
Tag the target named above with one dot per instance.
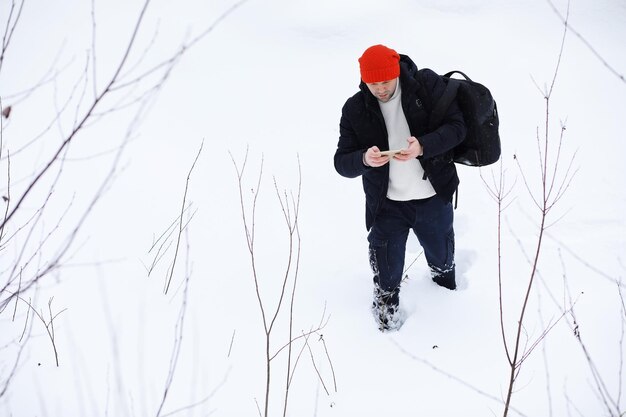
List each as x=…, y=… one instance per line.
x=408, y=190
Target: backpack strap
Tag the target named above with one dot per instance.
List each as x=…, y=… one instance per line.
x=439, y=111
x=440, y=108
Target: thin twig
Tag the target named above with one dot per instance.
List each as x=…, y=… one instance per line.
x=453, y=377
x=181, y=226
x=178, y=338
x=332, y=368
x=230, y=347
x=315, y=367
x=520, y=353
x=604, y=62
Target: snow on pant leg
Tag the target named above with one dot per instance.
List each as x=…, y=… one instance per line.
x=434, y=229
x=387, y=244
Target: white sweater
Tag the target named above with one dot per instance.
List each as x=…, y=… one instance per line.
x=405, y=177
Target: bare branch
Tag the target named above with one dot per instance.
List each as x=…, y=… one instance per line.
x=586, y=264
x=178, y=341
x=181, y=228
x=48, y=324
x=452, y=377
x=250, y=228
x=81, y=123
x=12, y=21
x=295, y=339
x=184, y=47
x=549, y=170
x=202, y=401
x=566, y=23
x=306, y=341
x=332, y=368
x=499, y=193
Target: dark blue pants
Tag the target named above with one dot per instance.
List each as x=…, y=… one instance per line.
x=431, y=220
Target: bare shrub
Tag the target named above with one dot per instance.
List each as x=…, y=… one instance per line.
x=288, y=280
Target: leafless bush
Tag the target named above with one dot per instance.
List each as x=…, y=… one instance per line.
x=43, y=214
x=290, y=207
x=554, y=181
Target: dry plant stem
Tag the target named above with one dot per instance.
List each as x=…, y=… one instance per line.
x=411, y=264
x=34, y=222
x=565, y=22
x=563, y=306
x=453, y=377
x=545, y=204
x=6, y=198
x=611, y=402
x=621, y=345
x=88, y=114
x=332, y=368
x=184, y=48
x=303, y=335
x=290, y=206
x=56, y=260
x=49, y=76
x=513, y=360
x=11, y=24
x=586, y=264
x=546, y=366
x=2, y=117
x=570, y=404
x=292, y=225
x=93, y=48
x=163, y=243
x=291, y=222
x=19, y=288
x=48, y=324
x=603, y=393
x=249, y=231
x=201, y=401
x=315, y=367
x=319, y=375
x=298, y=356
x=166, y=66
x=498, y=192
x=178, y=337
x=181, y=227
x=501, y=195
x=230, y=347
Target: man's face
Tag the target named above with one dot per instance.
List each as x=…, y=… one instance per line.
x=383, y=90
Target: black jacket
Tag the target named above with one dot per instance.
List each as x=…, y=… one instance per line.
x=362, y=126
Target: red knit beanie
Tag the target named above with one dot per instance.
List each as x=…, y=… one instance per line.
x=379, y=63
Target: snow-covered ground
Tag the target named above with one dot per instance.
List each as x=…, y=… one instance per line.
x=270, y=80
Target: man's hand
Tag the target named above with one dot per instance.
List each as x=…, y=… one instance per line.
x=373, y=158
x=414, y=150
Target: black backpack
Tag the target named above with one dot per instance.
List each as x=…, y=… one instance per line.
x=482, y=143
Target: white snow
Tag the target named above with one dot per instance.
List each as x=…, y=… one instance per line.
x=271, y=79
